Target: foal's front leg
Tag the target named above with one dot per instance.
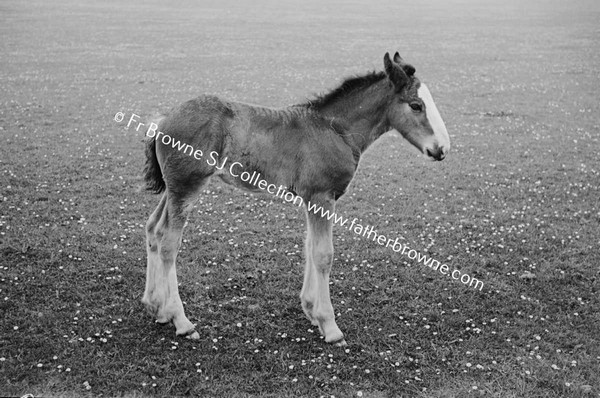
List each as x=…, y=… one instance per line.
x=315, y=298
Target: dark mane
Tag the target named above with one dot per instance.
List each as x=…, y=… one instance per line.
x=349, y=85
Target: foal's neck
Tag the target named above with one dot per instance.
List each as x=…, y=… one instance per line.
x=363, y=113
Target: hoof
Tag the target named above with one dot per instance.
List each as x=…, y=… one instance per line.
x=194, y=336
x=337, y=340
x=339, y=343
x=332, y=334
x=191, y=334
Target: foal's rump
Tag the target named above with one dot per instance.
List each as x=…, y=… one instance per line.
x=182, y=142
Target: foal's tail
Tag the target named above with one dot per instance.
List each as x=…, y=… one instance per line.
x=152, y=173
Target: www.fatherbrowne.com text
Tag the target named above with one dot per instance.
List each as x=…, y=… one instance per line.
x=236, y=169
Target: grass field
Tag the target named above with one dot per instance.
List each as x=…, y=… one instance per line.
x=515, y=204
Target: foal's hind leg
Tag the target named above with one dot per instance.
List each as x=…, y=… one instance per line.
x=163, y=233
x=316, y=301
x=153, y=259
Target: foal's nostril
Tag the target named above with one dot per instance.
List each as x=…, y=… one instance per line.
x=437, y=154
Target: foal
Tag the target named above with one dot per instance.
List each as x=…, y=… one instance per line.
x=311, y=150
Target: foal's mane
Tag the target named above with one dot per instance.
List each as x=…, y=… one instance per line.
x=349, y=85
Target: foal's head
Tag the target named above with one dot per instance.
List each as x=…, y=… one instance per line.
x=413, y=112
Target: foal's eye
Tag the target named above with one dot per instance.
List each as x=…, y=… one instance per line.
x=415, y=106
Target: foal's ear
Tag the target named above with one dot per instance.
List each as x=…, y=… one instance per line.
x=394, y=72
x=408, y=68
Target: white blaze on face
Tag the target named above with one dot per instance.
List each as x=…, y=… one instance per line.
x=434, y=118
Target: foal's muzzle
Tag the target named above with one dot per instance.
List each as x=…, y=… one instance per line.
x=437, y=153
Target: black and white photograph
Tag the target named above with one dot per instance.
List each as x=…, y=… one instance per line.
x=277, y=199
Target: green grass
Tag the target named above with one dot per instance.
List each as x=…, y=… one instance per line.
x=517, y=85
